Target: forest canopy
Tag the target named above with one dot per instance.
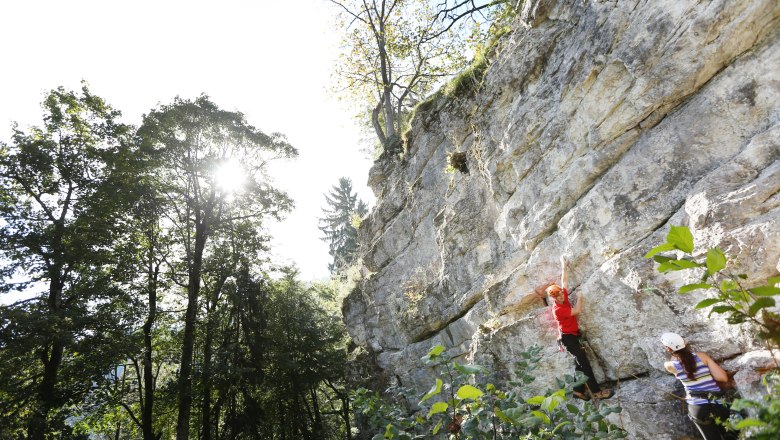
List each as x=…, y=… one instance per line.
x=148, y=302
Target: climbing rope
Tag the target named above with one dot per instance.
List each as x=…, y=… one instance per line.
x=682, y=400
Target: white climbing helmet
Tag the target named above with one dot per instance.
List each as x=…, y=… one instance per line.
x=673, y=341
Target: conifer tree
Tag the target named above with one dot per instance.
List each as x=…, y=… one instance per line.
x=338, y=226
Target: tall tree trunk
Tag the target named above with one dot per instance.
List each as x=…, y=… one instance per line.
x=389, y=115
x=387, y=85
x=217, y=412
x=148, y=407
x=207, y=355
x=206, y=397
x=45, y=401
x=317, y=429
x=46, y=398
x=376, y=123
x=345, y=414
x=188, y=344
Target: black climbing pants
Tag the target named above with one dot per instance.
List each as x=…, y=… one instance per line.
x=704, y=417
x=574, y=346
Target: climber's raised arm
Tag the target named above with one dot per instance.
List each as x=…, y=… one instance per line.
x=564, y=273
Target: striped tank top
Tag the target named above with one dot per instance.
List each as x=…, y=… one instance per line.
x=702, y=381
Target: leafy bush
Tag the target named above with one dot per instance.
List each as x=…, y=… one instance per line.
x=460, y=406
x=731, y=297
x=741, y=305
x=765, y=422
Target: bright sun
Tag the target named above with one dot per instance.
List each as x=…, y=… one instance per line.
x=230, y=176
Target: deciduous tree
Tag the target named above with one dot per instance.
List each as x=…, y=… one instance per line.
x=65, y=187
x=396, y=51
x=198, y=147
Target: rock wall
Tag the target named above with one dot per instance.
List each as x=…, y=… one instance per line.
x=597, y=125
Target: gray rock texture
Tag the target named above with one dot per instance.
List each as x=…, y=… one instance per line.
x=597, y=125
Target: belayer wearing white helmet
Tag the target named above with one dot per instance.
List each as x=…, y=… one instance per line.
x=699, y=374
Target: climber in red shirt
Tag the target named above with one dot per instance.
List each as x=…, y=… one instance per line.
x=566, y=317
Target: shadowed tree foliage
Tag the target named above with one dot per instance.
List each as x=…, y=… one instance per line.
x=191, y=141
x=148, y=311
x=339, y=224
x=280, y=354
x=239, y=247
x=65, y=188
x=124, y=401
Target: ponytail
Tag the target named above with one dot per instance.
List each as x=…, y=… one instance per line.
x=685, y=356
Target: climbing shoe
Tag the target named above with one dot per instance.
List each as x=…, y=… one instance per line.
x=603, y=394
x=580, y=396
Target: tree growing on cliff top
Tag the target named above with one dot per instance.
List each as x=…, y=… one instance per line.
x=396, y=52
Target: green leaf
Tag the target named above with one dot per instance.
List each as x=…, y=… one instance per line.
x=716, y=260
x=707, y=302
x=728, y=285
x=722, y=309
x=765, y=291
x=685, y=264
x=542, y=416
x=550, y=403
x=438, y=427
x=772, y=281
x=438, y=407
x=468, y=392
x=536, y=400
x=500, y=414
x=691, y=287
x=469, y=368
x=514, y=413
x=681, y=238
x=660, y=248
x=436, y=350
x=433, y=391
x=749, y=423
x=560, y=425
x=595, y=417
x=391, y=431
x=675, y=265
x=761, y=303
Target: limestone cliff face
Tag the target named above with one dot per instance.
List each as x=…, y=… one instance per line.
x=597, y=125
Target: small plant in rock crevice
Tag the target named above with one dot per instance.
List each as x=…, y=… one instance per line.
x=457, y=161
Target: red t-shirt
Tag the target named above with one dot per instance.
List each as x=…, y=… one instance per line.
x=567, y=324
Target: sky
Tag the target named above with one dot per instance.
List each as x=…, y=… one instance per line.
x=269, y=59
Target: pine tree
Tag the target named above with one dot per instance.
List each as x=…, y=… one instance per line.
x=337, y=224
